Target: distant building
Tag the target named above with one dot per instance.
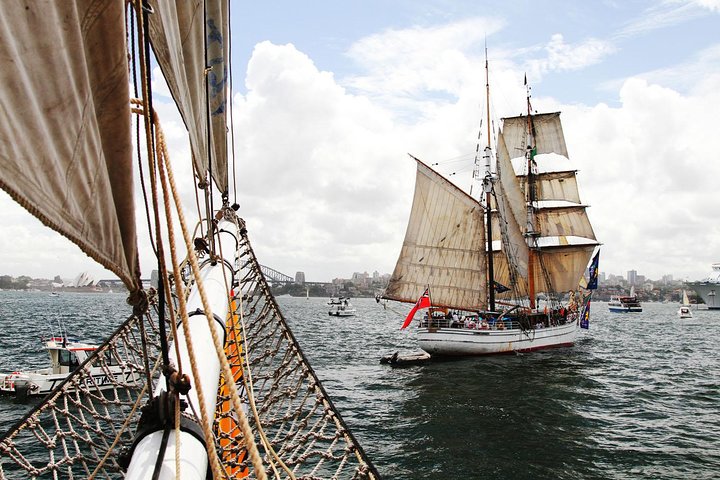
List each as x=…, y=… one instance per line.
x=154, y=278
x=632, y=277
x=300, y=278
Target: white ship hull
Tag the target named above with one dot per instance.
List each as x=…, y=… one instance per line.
x=42, y=382
x=462, y=341
x=709, y=292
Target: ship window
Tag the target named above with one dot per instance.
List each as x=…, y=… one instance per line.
x=68, y=359
x=109, y=358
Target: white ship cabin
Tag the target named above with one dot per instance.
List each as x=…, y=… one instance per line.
x=66, y=355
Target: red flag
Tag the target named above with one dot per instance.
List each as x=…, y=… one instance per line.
x=423, y=302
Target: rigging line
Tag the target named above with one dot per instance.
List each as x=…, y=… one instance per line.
x=212, y=454
x=209, y=139
x=250, y=391
x=197, y=200
x=232, y=118
x=225, y=366
x=127, y=421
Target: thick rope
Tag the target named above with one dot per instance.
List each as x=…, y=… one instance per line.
x=205, y=417
x=245, y=425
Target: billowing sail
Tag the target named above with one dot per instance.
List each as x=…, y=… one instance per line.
x=548, y=134
x=180, y=31
x=566, y=239
x=444, y=247
x=512, y=213
x=65, y=144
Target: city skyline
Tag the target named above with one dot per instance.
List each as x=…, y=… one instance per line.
x=328, y=102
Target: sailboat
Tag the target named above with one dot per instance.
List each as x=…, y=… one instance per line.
x=208, y=379
x=684, y=310
x=488, y=261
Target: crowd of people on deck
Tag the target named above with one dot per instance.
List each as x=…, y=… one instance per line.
x=487, y=321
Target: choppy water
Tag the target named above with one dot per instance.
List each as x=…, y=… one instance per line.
x=637, y=397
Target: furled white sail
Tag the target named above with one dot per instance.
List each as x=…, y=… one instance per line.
x=180, y=31
x=444, y=246
x=65, y=143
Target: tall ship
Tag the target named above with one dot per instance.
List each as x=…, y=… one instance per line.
x=709, y=288
x=508, y=263
x=204, y=379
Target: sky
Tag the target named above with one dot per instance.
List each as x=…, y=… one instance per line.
x=330, y=97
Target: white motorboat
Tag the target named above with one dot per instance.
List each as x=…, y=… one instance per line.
x=66, y=355
x=625, y=303
x=684, y=310
x=341, y=308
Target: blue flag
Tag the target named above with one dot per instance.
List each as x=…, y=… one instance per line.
x=585, y=314
x=499, y=287
x=593, y=272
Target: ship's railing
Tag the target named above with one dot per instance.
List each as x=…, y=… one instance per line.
x=536, y=321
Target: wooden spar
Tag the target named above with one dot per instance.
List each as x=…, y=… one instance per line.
x=488, y=195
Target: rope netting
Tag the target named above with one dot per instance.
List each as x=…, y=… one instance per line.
x=82, y=428
x=70, y=433
x=301, y=432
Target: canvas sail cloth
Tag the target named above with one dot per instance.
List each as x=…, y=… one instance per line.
x=567, y=239
x=444, y=247
x=65, y=144
x=179, y=32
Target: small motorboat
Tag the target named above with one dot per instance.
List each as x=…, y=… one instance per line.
x=341, y=307
x=66, y=355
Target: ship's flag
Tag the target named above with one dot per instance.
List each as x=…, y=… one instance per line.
x=585, y=314
x=593, y=272
x=423, y=302
x=499, y=287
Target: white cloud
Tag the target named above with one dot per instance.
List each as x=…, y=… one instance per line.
x=565, y=57
x=326, y=184
x=647, y=172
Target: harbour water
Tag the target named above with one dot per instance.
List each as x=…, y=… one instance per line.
x=637, y=397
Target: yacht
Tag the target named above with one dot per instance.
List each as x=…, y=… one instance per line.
x=625, y=303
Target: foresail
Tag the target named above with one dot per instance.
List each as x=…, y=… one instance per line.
x=444, y=246
x=512, y=213
x=178, y=36
x=65, y=144
x=564, y=266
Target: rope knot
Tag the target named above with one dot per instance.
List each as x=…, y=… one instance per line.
x=139, y=301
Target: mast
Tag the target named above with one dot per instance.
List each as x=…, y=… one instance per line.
x=487, y=188
x=531, y=232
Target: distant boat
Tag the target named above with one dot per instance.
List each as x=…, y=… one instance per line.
x=709, y=288
x=684, y=310
x=625, y=303
x=492, y=255
x=341, y=307
x=66, y=355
